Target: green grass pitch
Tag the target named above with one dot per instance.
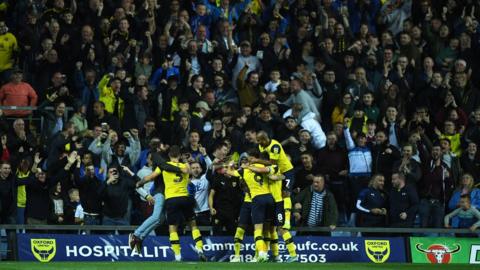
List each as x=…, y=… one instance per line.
x=221, y=266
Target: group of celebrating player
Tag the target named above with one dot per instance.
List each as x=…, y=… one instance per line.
x=267, y=176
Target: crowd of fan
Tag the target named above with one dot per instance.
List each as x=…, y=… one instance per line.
x=375, y=101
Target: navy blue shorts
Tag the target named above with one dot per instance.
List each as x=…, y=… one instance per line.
x=179, y=210
x=289, y=180
x=263, y=208
x=279, y=219
x=245, y=214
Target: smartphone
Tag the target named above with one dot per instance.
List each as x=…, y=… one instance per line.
x=104, y=126
x=260, y=55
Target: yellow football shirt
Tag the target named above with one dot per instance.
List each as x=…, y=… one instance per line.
x=256, y=182
x=175, y=183
x=277, y=154
x=275, y=186
x=8, y=45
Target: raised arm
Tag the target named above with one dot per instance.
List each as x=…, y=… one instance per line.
x=348, y=138
x=262, y=170
x=135, y=146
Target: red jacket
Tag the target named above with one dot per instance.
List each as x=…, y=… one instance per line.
x=17, y=94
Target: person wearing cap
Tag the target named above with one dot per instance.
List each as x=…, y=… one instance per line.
x=244, y=61
x=201, y=110
x=17, y=93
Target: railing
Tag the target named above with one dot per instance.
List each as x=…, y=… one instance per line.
x=86, y=228
x=31, y=117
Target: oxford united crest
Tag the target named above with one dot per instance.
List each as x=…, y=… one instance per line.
x=377, y=251
x=43, y=249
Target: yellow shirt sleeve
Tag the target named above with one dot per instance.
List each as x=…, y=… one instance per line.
x=236, y=174
x=158, y=170
x=273, y=169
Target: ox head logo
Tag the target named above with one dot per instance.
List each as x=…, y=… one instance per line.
x=438, y=253
x=43, y=249
x=378, y=251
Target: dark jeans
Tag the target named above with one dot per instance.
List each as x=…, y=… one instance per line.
x=221, y=220
x=356, y=184
x=92, y=220
x=115, y=221
x=20, y=215
x=203, y=218
x=340, y=193
x=431, y=213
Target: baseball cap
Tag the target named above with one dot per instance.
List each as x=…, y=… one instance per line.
x=202, y=105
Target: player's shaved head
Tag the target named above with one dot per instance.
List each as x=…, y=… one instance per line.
x=263, y=138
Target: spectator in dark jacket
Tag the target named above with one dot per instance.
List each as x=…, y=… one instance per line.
x=436, y=188
x=91, y=201
x=57, y=203
x=136, y=107
x=8, y=194
x=384, y=156
x=404, y=202
x=115, y=193
x=408, y=166
x=333, y=163
x=465, y=94
x=53, y=122
x=372, y=204
x=470, y=162
x=19, y=141
x=316, y=206
x=472, y=134
x=304, y=175
x=37, y=210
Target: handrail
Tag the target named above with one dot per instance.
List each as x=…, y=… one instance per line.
x=207, y=228
x=29, y=108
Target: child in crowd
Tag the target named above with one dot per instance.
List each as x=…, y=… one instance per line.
x=274, y=83
x=469, y=216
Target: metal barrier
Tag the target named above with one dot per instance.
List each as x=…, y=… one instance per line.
x=207, y=228
x=30, y=117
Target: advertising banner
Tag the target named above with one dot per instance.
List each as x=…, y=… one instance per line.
x=61, y=247
x=445, y=250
